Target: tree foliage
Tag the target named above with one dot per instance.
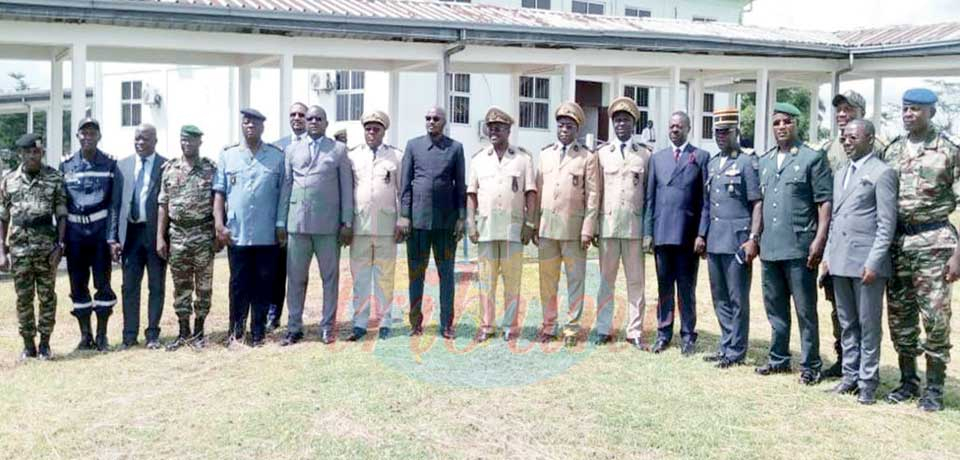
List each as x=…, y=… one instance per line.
x=800, y=97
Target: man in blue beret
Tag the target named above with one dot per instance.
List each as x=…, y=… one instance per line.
x=925, y=250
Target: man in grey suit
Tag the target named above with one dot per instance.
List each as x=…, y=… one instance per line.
x=138, y=237
x=316, y=202
x=858, y=256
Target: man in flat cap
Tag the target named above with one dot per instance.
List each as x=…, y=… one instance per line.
x=847, y=107
x=732, y=204
x=246, y=198
x=797, y=187
x=432, y=211
x=373, y=252
x=316, y=205
x=33, y=211
x=674, y=204
x=925, y=251
x=501, y=202
x=94, y=193
x=623, y=183
x=568, y=181
x=186, y=237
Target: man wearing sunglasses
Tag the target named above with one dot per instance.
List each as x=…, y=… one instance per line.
x=432, y=212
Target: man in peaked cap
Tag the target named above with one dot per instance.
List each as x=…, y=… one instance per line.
x=569, y=199
x=925, y=251
x=373, y=252
x=797, y=187
x=623, y=181
x=674, y=202
x=501, y=201
x=732, y=204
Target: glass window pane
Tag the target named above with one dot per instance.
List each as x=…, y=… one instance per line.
x=543, y=88
x=643, y=13
x=643, y=97
x=342, y=106
x=528, y=3
x=630, y=12
x=708, y=102
x=707, y=127
x=543, y=4
x=342, y=79
x=135, y=114
x=629, y=91
x=542, y=115
x=526, y=87
x=125, y=90
x=356, y=106
x=525, y=114
x=356, y=80
x=137, y=90
x=125, y=117
x=595, y=8
x=463, y=82
x=579, y=7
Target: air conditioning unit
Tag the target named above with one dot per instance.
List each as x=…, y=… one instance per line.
x=321, y=82
x=151, y=97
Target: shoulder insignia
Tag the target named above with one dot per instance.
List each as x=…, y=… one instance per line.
x=547, y=146
x=230, y=146
x=355, y=147
x=602, y=145
x=478, y=152
x=953, y=140
x=772, y=151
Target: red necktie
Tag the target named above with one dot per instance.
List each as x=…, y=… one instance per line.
x=676, y=155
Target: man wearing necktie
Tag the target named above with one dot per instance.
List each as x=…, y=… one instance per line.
x=316, y=204
x=674, y=219
x=298, y=132
x=138, y=237
x=797, y=187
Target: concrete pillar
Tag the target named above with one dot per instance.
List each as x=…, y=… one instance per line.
x=673, y=97
x=814, y=134
x=834, y=90
x=286, y=91
x=696, y=118
x=443, y=98
x=55, y=112
x=569, y=83
x=514, y=109
x=393, y=108
x=762, y=120
x=98, y=91
x=29, y=118
x=233, y=101
x=78, y=88
x=245, y=77
x=877, y=102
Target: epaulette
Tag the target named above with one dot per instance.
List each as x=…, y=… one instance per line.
x=522, y=150
x=478, y=152
x=547, y=146
x=603, y=144
x=772, y=151
x=747, y=151
x=230, y=146
x=355, y=147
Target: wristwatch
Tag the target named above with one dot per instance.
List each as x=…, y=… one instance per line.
x=755, y=237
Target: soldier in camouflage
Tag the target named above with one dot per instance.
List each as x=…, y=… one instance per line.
x=30, y=196
x=185, y=234
x=926, y=256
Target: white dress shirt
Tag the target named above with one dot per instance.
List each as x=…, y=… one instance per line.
x=139, y=164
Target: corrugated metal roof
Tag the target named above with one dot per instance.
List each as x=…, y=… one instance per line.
x=901, y=35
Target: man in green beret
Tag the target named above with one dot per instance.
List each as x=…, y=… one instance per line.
x=797, y=188
x=186, y=236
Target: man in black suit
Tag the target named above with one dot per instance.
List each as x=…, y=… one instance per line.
x=432, y=212
x=138, y=237
x=675, y=227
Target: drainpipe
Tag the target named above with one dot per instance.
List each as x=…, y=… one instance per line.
x=835, y=88
x=445, y=101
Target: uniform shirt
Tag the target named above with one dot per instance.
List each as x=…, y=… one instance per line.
x=730, y=189
x=140, y=164
x=569, y=186
x=929, y=187
x=93, y=186
x=432, y=183
x=251, y=181
x=28, y=204
x=376, y=189
x=500, y=186
x=187, y=192
x=623, y=182
x=791, y=194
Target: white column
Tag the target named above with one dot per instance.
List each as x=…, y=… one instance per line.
x=233, y=102
x=762, y=119
x=834, y=90
x=286, y=91
x=673, y=98
x=814, y=133
x=442, y=90
x=616, y=90
x=514, y=109
x=244, y=81
x=393, y=108
x=696, y=124
x=569, y=85
x=55, y=112
x=78, y=87
x=98, y=91
x=29, y=118
x=663, y=116
x=877, y=102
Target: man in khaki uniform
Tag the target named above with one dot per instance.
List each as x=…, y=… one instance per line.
x=373, y=252
x=501, y=201
x=569, y=190
x=623, y=179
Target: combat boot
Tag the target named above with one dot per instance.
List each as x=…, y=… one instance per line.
x=29, y=348
x=43, y=351
x=184, y=337
x=86, y=334
x=103, y=317
x=198, y=339
x=909, y=381
x=932, y=400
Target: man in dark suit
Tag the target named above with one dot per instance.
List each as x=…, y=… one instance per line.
x=432, y=212
x=138, y=237
x=673, y=221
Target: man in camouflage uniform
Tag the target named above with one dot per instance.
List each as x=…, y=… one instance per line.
x=847, y=107
x=29, y=196
x=186, y=215
x=926, y=256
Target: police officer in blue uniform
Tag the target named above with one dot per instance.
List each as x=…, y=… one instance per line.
x=733, y=203
x=94, y=187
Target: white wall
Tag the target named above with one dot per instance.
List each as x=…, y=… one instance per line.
x=721, y=10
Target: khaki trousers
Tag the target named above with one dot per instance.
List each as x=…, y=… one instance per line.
x=372, y=263
x=500, y=259
x=613, y=251
x=553, y=254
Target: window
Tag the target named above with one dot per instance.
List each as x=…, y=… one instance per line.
x=641, y=96
x=584, y=7
x=131, y=103
x=538, y=4
x=707, y=116
x=534, y=102
x=459, y=84
x=636, y=13
x=703, y=19
x=349, y=95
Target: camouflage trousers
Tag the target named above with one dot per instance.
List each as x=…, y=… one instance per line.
x=32, y=273
x=918, y=289
x=191, y=267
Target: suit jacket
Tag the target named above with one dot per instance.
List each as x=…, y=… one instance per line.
x=285, y=141
x=433, y=189
x=317, y=193
x=128, y=167
x=864, y=220
x=675, y=196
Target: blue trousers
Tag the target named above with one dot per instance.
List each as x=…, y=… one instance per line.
x=251, y=278
x=85, y=256
x=444, y=247
x=730, y=289
x=676, y=277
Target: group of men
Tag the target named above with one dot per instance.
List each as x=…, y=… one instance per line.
x=862, y=214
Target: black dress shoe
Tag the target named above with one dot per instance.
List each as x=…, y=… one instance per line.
x=716, y=357
x=770, y=369
x=834, y=372
x=845, y=388
x=725, y=363
x=291, y=338
x=448, y=333
x=384, y=333
x=660, y=345
x=357, y=335
x=416, y=331
x=810, y=377
x=603, y=339
x=327, y=337
x=127, y=344
x=638, y=344
x=153, y=344
x=868, y=396
x=256, y=341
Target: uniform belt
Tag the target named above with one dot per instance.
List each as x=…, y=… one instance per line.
x=915, y=229
x=193, y=222
x=34, y=222
x=88, y=218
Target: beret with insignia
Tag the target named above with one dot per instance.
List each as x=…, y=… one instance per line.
x=919, y=96
x=786, y=108
x=191, y=131
x=29, y=140
x=253, y=114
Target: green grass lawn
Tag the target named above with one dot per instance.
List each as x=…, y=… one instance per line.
x=434, y=399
